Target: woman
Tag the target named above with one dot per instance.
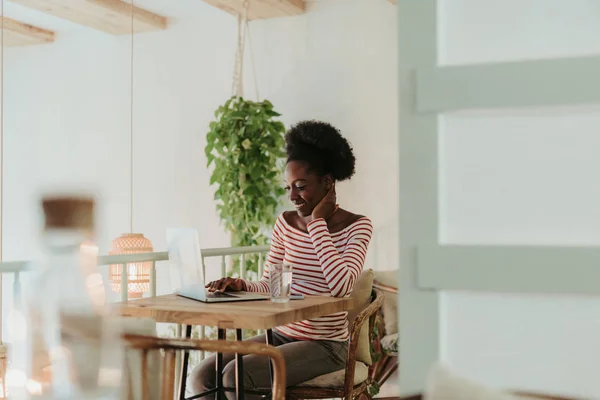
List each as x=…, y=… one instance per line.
x=327, y=247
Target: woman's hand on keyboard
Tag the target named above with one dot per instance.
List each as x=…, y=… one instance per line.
x=226, y=285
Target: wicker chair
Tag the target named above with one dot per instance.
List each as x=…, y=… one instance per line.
x=351, y=389
x=169, y=348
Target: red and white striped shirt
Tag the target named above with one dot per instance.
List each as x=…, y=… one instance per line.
x=323, y=263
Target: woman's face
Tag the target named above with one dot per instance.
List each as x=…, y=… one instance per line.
x=304, y=188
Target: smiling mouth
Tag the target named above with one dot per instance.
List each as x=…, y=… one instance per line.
x=299, y=206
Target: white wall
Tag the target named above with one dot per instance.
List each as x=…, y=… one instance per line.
x=67, y=122
x=67, y=115
x=520, y=177
x=338, y=63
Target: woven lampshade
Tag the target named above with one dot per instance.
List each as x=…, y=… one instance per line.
x=138, y=274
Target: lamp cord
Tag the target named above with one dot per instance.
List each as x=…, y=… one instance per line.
x=1, y=144
x=1, y=128
x=131, y=128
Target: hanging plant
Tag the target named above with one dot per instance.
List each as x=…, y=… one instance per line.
x=245, y=144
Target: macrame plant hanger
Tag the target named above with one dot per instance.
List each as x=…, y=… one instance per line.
x=243, y=34
x=238, y=69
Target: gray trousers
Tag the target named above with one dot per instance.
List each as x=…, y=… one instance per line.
x=304, y=360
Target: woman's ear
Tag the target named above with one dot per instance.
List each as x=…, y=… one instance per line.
x=328, y=180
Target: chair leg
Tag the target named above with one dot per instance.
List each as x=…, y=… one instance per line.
x=380, y=366
x=385, y=368
x=386, y=373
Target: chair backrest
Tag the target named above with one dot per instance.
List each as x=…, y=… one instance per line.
x=365, y=317
x=169, y=347
x=361, y=295
x=385, y=281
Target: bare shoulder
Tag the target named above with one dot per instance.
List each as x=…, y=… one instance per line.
x=344, y=219
x=292, y=219
x=350, y=217
x=289, y=216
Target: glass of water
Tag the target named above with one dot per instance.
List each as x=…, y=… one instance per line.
x=280, y=278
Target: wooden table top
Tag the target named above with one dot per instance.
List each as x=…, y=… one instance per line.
x=259, y=314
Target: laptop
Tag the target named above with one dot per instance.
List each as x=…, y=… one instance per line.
x=186, y=260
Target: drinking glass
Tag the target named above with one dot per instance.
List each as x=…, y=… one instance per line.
x=280, y=278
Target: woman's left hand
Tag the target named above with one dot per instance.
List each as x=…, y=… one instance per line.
x=326, y=206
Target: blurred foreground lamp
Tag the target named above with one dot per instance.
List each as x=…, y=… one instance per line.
x=3, y=367
x=138, y=273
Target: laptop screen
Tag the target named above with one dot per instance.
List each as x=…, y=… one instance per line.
x=185, y=259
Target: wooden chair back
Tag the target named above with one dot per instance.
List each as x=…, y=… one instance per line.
x=365, y=316
x=169, y=347
x=385, y=288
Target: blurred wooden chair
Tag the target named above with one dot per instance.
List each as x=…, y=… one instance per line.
x=540, y=396
x=519, y=394
x=443, y=383
x=353, y=381
x=167, y=348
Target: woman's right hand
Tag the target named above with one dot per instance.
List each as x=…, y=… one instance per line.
x=327, y=206
x=225, y=285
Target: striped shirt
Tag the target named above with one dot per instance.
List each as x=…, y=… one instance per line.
x=323, y=263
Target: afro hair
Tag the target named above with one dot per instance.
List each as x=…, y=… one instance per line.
x=322, y=147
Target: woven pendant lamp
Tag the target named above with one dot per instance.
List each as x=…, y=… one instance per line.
x=138, y=273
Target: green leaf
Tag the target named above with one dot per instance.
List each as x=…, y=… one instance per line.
x=238, y=115
x=209, y=160
x=209, y=148
x=271, y=113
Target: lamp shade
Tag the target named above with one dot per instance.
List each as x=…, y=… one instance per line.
x=138, y=273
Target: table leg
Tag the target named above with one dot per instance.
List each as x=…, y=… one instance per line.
x=219, y=367
x=239, y=369
x=178, y=362
x=186, y=358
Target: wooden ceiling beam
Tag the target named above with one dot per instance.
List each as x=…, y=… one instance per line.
x=261, y=9
x=17, y=33
x=111, y=16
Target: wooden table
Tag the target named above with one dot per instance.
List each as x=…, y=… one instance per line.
x=261, y=314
